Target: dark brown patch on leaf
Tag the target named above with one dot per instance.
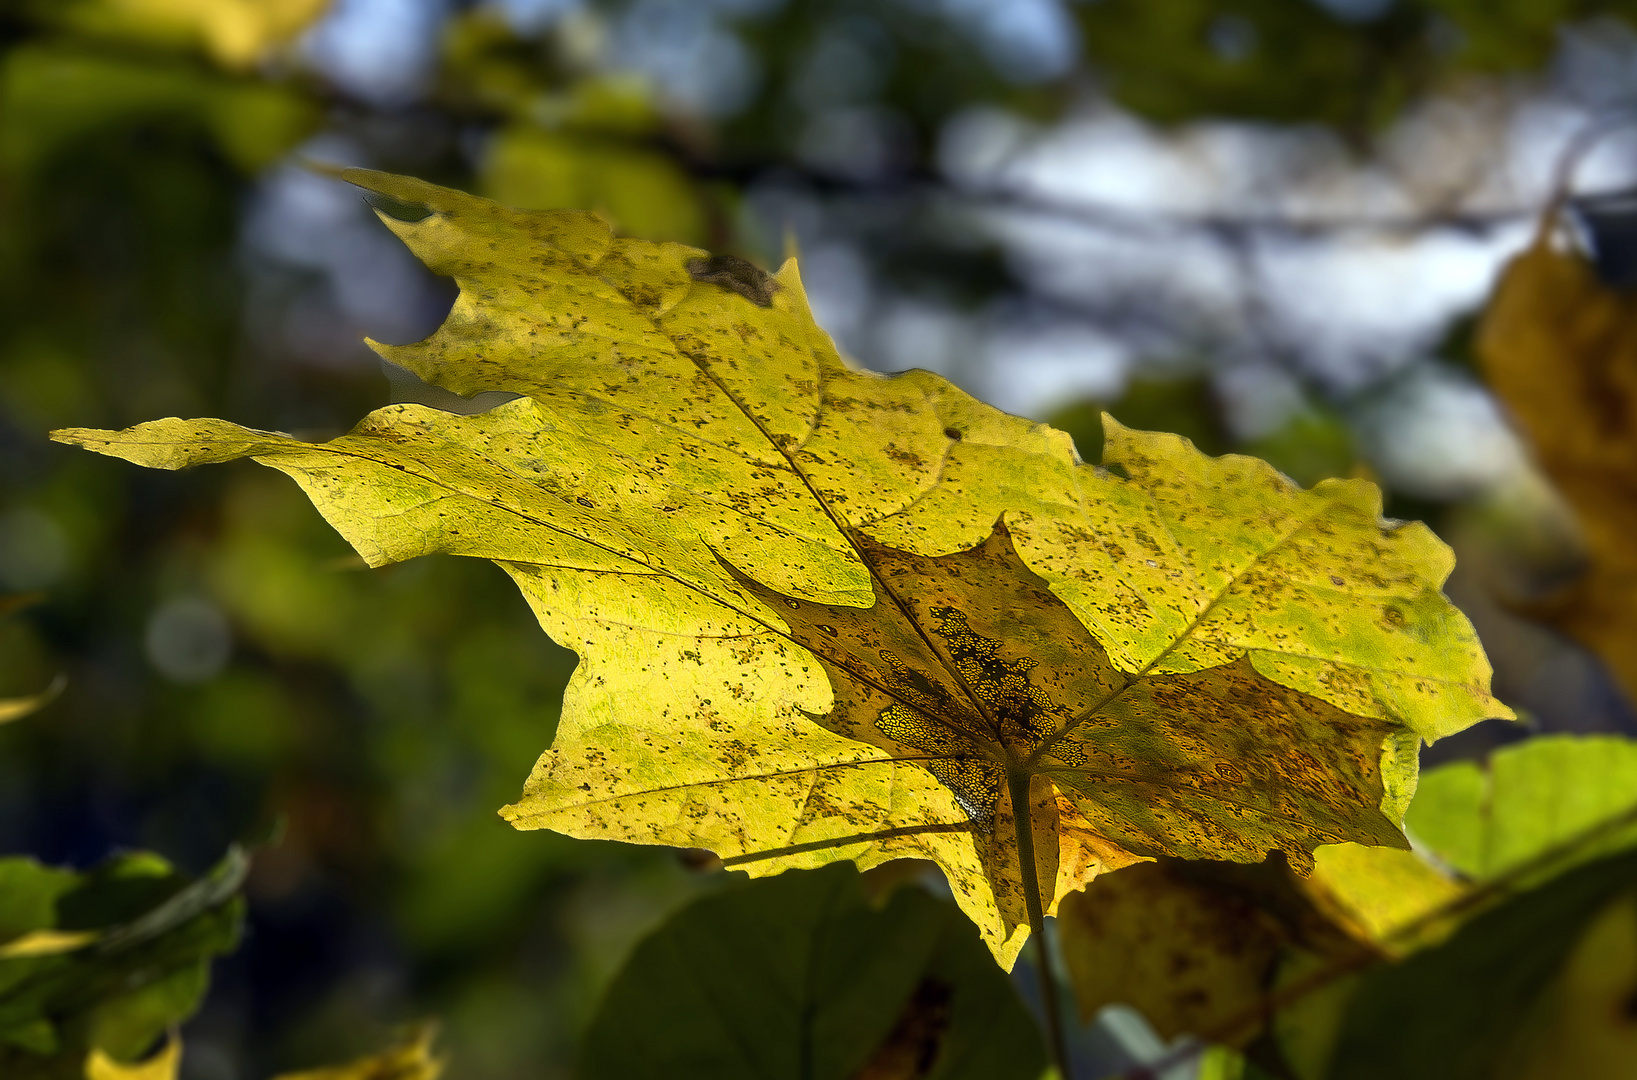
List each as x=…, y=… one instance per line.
x=742, y=276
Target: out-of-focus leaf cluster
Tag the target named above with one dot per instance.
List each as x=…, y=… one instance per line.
x=104, y=962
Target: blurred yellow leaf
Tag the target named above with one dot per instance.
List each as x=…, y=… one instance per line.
x=17, y=708
x=1560, y=348
x=410, y=1060
x=1381, y=891
x=45, y=943
x=235, y=32
x=164, y=1065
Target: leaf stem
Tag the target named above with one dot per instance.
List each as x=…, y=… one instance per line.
x=1017, y=783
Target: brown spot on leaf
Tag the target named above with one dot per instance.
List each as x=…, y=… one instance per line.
x=739, y=275
x=910, y=1049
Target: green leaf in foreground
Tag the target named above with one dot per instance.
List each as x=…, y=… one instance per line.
x=108, y=959
x=800, y=976
x=696, y=494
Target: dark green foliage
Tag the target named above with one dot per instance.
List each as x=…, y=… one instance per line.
x=1300, y=61
x=1284, y=60
x=800, y=976
x=1454, y=1012
x=152, y=934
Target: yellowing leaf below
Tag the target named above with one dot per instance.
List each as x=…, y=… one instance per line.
x=827, y=614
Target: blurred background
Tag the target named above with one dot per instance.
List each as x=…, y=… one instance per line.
x=1268, y=225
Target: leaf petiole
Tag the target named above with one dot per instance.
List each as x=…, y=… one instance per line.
x=1017, y=782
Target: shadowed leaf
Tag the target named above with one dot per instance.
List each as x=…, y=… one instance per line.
x=800, y=976
x=1527, y=818
x=1482, y=1005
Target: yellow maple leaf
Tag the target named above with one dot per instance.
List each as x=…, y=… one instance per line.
x=828, y=614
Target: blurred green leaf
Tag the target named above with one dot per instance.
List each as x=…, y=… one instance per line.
x=1183, y=407
x=797, y=975
x=641, y=191
x=51, y=95
x=412, y=1059
x=28, y=896
x=1485, y=819
x=1515, y=35
x=1299, y=60
x=1311, y=445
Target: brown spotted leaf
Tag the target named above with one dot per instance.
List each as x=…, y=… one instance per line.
x=825, y=614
